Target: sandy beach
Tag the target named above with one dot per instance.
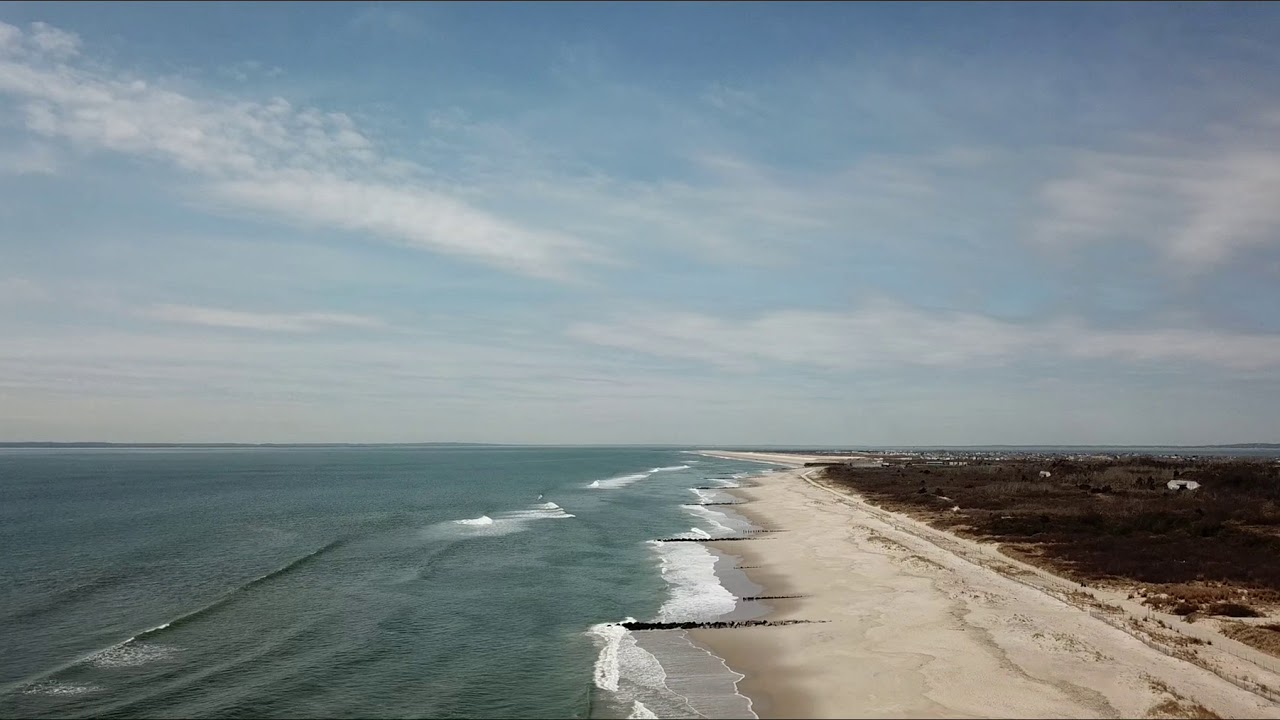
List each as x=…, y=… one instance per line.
x=920, y=625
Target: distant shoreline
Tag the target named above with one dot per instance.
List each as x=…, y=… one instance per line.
x=766, y=448
x=237, y=445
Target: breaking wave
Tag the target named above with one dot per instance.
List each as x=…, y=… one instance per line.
x=502, y=523
x=625, y=480
x=619, y=481
x=718, y=521
x=696, y=592
x=482, y=520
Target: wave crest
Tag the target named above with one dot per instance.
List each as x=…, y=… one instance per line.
x=502, y=523
x=625, y=480
x=696, y=592
x=482, y=520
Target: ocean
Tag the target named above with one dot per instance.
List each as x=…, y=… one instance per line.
x=364, y=582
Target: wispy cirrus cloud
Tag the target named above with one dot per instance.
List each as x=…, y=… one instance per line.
x=50, y=40
x=760, y=192
x=735, y=210
x=273, y=322
x=302, y=165
x=880, y=335
x=1197, y=204
x=886, y=334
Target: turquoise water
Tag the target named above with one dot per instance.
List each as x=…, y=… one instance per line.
x=338, y=582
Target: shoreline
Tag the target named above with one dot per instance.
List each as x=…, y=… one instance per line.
x=916, y=629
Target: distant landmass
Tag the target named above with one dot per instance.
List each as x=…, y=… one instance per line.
x=230, y=445
x=45, y=444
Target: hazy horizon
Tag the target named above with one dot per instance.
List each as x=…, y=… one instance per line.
x=671, y=224
x=725, y=446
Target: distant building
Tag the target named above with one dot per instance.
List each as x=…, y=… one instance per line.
x=1183, y=485
x=1045, y=473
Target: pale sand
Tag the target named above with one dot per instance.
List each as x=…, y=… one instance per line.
x=917, y=630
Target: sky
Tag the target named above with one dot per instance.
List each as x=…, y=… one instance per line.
x=685, y=223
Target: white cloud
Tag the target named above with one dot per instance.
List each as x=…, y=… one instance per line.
x=888, y=335
x=881, y=335
x=1234, y=351
x=414, y=218
x=11, y=38
x=301, y=164
x=277, y=322
x=185, y=384
x=54, y=42
x=1198, y=206
x=736, y=211
x=403, y=371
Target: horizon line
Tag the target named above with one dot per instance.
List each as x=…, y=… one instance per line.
x=790, y=446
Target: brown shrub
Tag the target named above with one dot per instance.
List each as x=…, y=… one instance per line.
x=1132, y=527
x=1262, y=637
x=1232, y=609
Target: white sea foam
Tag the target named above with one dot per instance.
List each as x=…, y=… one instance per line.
x=482, y=520
x=620, y=656
x=695, y=533
x=606, y=671
x=619, y=481
x=502, y=523
x=705, y=495
x=630, y=666
x=132, y=653
x=701, y=679
x=57, y=687
x=541, y=511
x=718, y=521
x=625, y=480
x=640, y=712
x=726, y=482
x=633, y=675
x=696, y=592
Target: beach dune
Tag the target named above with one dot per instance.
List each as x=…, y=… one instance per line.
x=915, y=630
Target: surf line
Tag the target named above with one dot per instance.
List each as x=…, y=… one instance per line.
x=714, y=624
